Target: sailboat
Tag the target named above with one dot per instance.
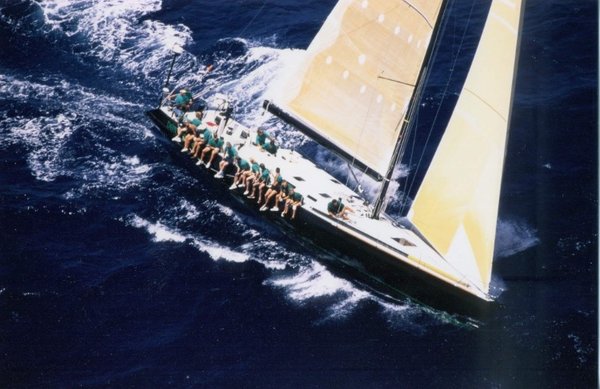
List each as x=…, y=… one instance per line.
x=356, y=93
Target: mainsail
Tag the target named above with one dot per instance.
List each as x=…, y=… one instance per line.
x=456, y=207
x=353, y=90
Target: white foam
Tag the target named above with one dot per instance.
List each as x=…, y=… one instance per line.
x=314, y=282
x=188, y=210
x=497, y=287
x=159, y=232
x=137, y=167
x=45, y=138
x=228, y=212
x=219, y=252
x=583, y=350
x=347, y=305
x=111, y=31
x=36, y=294
x=163, y=233
x=399, y=315
x=513, y=237
x=309, y=281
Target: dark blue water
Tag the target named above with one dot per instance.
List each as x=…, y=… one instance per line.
x=121, y=267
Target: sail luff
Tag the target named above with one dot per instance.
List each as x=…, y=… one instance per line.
x=456, y=207
x=379, y=203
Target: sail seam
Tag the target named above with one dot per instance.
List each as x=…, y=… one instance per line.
x=415, y=9
x=505, y=23
x=396, y=81
x=420, y=13
x=486, y=103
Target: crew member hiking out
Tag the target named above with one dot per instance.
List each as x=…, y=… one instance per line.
x=229, y=153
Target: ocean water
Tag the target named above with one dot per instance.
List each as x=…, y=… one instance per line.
x=121, y=267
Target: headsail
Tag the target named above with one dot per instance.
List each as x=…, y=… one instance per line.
x=456, y=207
x=354, y=88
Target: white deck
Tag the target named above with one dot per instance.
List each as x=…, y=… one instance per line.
x=318, y=188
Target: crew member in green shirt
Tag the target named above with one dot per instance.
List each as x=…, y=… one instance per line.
x=337, y=209
x=242, y=166
x=263, y=179
x=270, y=146
x=284, y=191
x=261, y=137
x=214, y=146
x=253, y=175
x=182, y=101
x=250, y=175
x=273, y=189
x=294, y=200
x=199, y=143
x=189, y=128
x=229, y=153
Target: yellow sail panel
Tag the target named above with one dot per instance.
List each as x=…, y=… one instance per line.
x=360, y=72
x=456, y=207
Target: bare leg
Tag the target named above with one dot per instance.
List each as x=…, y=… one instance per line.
x=212, y=156
x=294, y=208
x=204, y=151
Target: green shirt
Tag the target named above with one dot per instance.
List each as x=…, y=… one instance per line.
x=265, y=176
x=230, y=152
x=286, y=189
x=196, y=122
x=216, y=142
x=244, y=165
x=207, y=135
x=260, y=139
x=270, y=147
x=335, y=209
x=296, y=197
x=255, y=168
x=182, y=99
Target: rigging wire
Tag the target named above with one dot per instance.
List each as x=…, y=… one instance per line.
x=230, y=44
x=253, y=18
x=460, y=46
x=415, y=119
x=408, y=187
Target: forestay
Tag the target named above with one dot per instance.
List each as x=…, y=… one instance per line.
x=359, y=74
x=456, y=207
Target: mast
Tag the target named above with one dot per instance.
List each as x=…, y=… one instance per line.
x=177, y=50
x=407, y=123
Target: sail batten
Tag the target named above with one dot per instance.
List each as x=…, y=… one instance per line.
x=360, y=73
x=456, y=207
x=500, y=114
